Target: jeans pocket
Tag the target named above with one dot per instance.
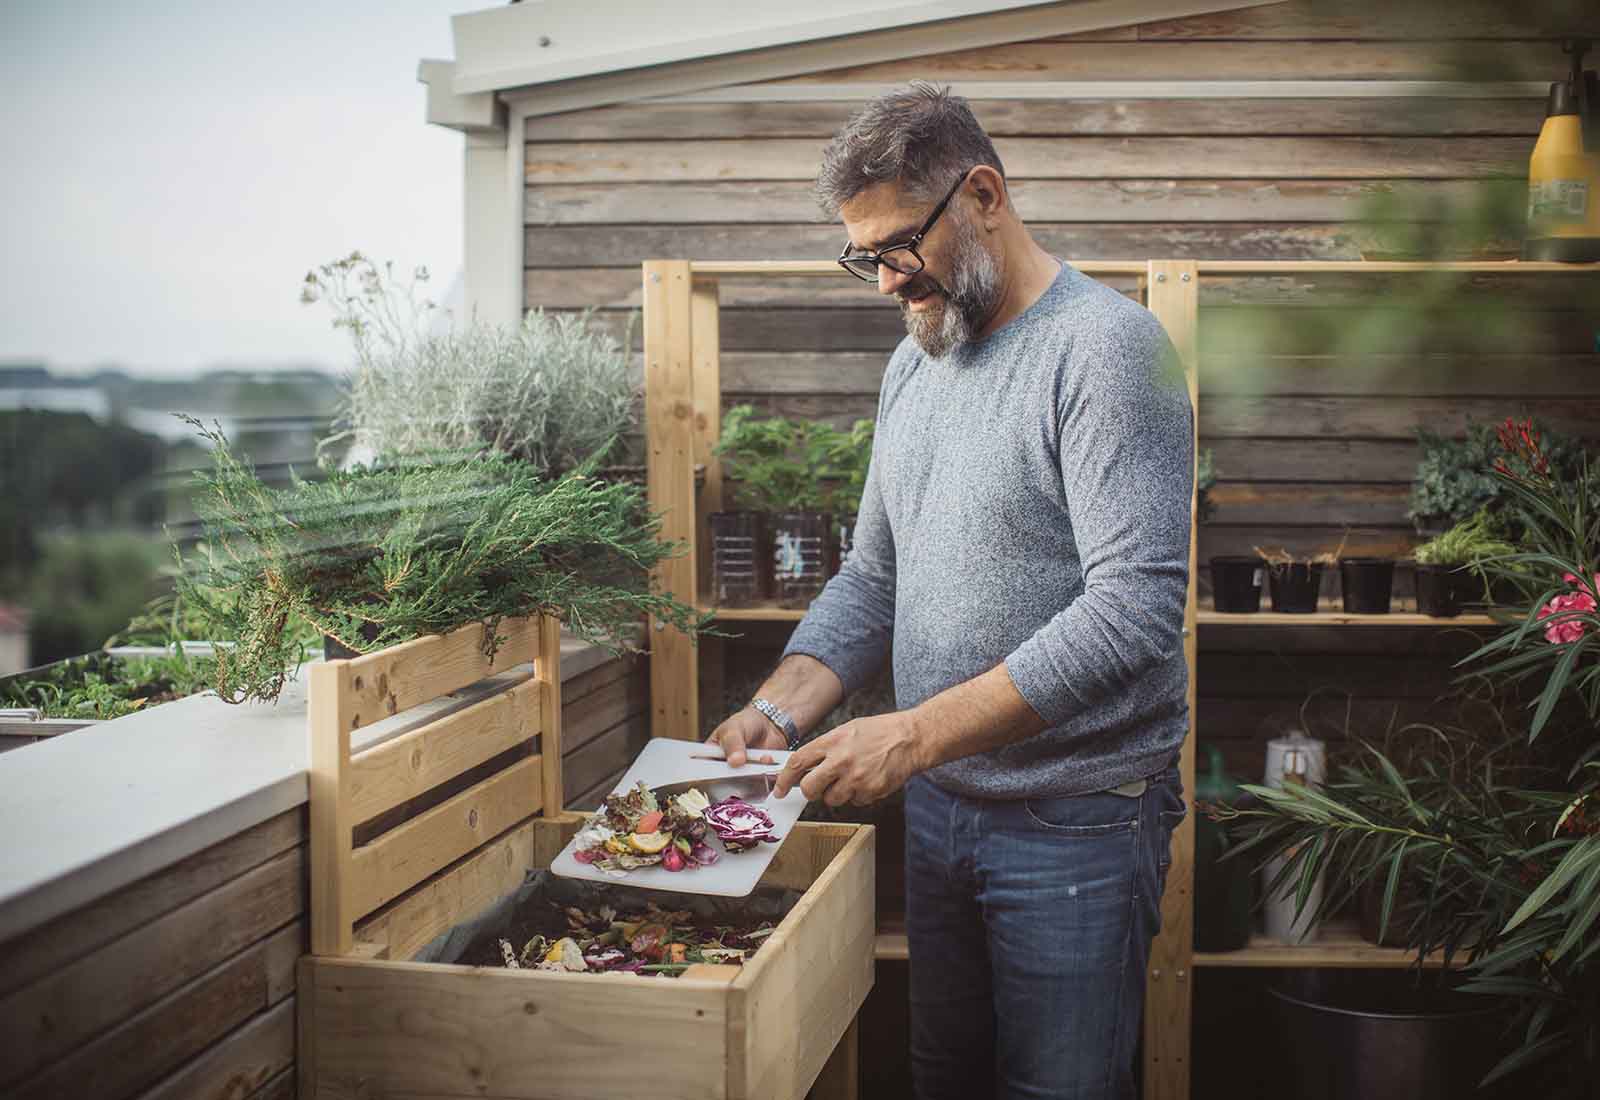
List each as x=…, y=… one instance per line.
x=1084, y=815
x=1170, y=820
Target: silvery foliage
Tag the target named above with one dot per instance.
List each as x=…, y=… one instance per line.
x=553, y=391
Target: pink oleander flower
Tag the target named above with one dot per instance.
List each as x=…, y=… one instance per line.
x=1583, y=601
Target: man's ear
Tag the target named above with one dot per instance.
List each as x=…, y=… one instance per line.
x=988, y=187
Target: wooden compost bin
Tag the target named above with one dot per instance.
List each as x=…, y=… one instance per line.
x=373, y=1024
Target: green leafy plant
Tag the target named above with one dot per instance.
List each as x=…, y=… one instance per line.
x=1455, y=477
x=371, y=557
x=1476, y=538
x=1205, y=479
x=102, y=685
x=1501, y=843
x=777, y=464
x=553, y=391
x=849, y=456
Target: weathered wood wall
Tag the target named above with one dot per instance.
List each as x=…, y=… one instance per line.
x=182, y=986
x=1310, y=447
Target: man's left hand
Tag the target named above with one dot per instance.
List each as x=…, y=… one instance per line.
x=861, y=761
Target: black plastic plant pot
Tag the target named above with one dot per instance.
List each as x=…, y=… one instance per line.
x=1295, y=586
x=1368, y=585
x=799, y=557
x=1236, y=583
x=738, y=558
x=1439, y=591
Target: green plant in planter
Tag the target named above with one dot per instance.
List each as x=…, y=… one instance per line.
x=1455, y=477
x=1205, y=479
x=1503, y=841
x=372, y=557
x=102, y=686
x=849, y=456
x=553, y=391
x=777, y=464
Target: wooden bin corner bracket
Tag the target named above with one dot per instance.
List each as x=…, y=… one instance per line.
x=348, y=883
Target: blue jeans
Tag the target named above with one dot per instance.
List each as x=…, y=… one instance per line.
x=1029, y=925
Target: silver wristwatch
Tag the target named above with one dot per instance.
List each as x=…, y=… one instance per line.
x=780, y=718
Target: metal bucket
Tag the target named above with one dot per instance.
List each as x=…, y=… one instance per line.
x=1380, y=1035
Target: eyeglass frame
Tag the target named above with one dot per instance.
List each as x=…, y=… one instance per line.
x=909, y=245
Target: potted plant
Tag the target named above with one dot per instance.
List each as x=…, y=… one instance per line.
x=1236, y=579
x=1447, y=571
x=1366, y=585
x=1504, y=836
x=554, y=391
x=780, y=469
x=1296, y=582
x=370, y=557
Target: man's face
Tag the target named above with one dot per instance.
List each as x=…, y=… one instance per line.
x=959, y=286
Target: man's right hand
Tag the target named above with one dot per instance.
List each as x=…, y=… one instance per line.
x=745, y=731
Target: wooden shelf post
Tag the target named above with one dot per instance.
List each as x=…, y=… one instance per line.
x=670, y=442
x=1173, y=288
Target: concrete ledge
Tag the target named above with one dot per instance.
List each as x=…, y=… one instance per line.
x=90, y=812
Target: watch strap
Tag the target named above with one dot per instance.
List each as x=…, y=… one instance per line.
x=780, y=718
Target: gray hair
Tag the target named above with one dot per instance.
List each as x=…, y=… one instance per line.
x=922, y=136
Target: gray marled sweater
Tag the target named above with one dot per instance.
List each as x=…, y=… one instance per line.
x=1028, y=502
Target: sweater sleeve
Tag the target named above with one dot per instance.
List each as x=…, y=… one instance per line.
x=851, y=622
x=1127, y=466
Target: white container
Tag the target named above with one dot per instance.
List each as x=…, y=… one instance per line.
x=1303, y=759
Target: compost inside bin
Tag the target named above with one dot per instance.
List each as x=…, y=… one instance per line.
x=556, y=923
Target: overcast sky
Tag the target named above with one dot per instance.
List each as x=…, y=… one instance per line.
x=172, y=169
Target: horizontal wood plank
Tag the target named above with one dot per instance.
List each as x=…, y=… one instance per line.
x=612, y=751
x=67, y=1007
x=1302, y=503
x=1313, y=459
x=1405, y=375
x=1384, y=418
x=424, y=669
x=54, y=945
x=182, y=1025
x=600, y=678
x=1366, y=117
x=1211, y=60
x=248, y=1060
x=617, y=246
x=600, y=711
x=415, y=762
x=1051, y=200
x=1054, y=158
x=408, y=854
x=1379, y=20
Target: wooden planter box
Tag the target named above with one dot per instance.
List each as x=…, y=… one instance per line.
x=373, y=1024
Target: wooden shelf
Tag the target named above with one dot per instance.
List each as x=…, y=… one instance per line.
x=761, y=613
x=1332, y=613
x=1340, y=945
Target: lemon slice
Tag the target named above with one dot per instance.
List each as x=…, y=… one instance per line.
x=649, y=843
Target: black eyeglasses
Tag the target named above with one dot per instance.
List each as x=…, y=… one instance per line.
x=903, y=257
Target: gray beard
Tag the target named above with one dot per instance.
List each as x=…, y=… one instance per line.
x=962, y=307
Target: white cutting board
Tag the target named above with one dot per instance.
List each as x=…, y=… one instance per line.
x=668, y=760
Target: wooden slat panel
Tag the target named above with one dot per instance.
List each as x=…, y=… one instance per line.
x=607, y=754
x=1082, y=158
x=252, y=1058
x=415, y=762
x=51, y=1017
x=1389, y=542
x=409, y=1029
x=1201, y=60
x=1048, y=200
x=141, y=1050
x=1314, y=459
x=1429, y=20
x=52, y=946
x=1301, y=503
x=1062, y=118
x=615, y=246
x=406, y=855
x=598, y=679
x=427, y=668
x=1380, y=417
x=417, y=918
x=619, y=288
x=1407, y=375
x=598, y=712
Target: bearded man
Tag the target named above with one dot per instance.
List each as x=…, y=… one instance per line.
x=1023, y=543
